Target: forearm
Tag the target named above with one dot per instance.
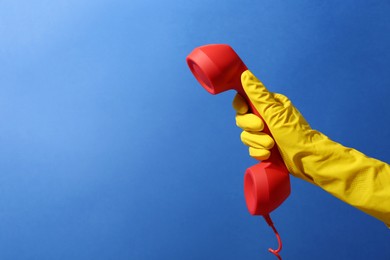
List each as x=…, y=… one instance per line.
x=351, y=176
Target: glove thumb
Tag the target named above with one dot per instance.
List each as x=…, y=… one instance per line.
x=266, y=103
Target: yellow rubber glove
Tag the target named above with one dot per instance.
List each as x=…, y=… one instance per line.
x=349, y=175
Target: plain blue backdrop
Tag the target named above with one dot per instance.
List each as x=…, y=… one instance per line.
x=109, y=148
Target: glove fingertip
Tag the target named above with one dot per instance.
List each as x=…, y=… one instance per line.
x=239, y=104
x=259, y=154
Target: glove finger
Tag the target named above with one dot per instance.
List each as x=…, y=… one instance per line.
x=259, y=154
x=249, y=122
x=260, y=97
x=240, y=105
x=257, y=140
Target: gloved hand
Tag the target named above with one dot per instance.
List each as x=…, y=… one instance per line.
x=349, y=175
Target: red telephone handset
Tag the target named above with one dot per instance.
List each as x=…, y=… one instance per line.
x=218, y=68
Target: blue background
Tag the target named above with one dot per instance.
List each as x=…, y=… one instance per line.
x=109, y=148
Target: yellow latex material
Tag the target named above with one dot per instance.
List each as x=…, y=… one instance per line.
x=346, y=173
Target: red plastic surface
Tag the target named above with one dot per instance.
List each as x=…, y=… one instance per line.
x=218, y=68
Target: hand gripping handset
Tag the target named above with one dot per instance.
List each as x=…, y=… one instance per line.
x=218, y=68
